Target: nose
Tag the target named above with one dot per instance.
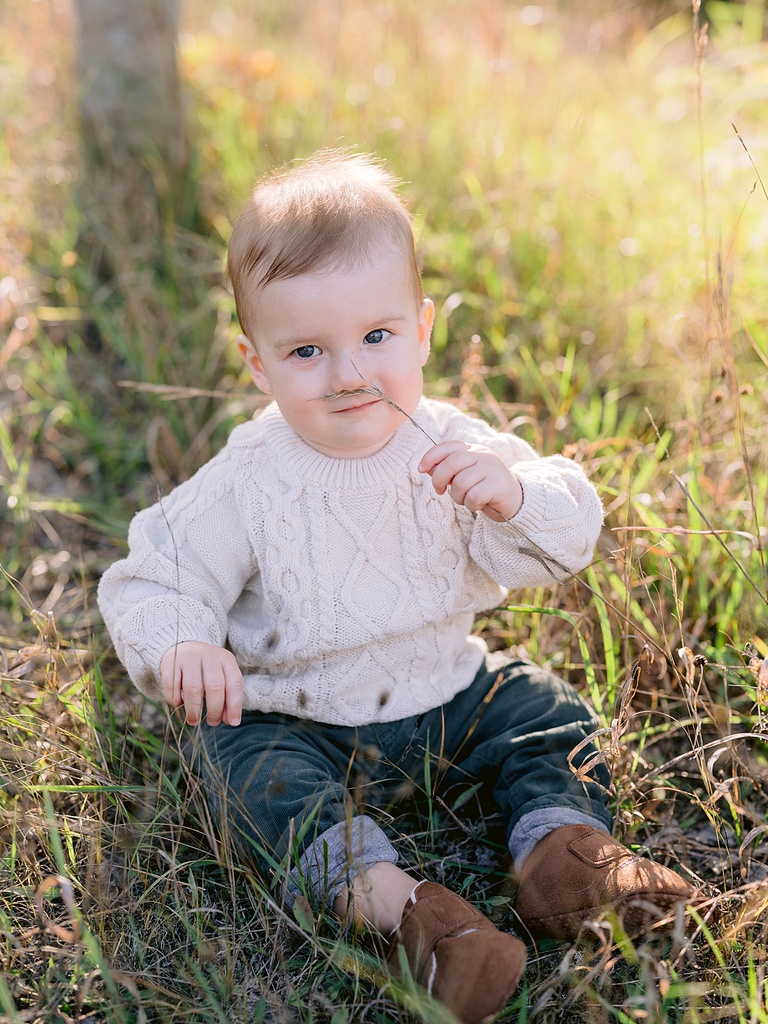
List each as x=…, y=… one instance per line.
x=348, y=372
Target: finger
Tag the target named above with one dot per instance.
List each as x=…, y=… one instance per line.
x=466, y=482
x=440, y=451
x=192, y=693
x=233, y=708
x=446, y=473
x=498, y=498
x=214, y=688
x=170, y=676
x=476, y=496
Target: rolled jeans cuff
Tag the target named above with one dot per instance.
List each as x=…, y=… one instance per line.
x=533, y=826
x=341, y=853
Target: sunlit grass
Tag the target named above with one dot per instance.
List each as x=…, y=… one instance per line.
x=586, y=210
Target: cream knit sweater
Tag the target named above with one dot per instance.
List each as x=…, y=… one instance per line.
x=346, y=588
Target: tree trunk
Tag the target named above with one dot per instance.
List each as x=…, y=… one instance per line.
x=135, y=146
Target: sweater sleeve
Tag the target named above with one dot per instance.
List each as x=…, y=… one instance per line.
x=554, y=533
x=190, y=557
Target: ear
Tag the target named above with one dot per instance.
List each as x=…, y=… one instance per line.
x=426, y=321
x=250, y=357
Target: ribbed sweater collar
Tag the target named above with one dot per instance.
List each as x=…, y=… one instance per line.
x=284, y=445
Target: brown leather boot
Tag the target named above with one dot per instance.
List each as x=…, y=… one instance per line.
x=456, y=954
x=576, y=873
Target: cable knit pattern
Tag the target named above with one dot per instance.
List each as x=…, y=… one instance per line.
x=346, y=588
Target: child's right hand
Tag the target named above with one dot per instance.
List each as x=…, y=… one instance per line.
x=191, y=671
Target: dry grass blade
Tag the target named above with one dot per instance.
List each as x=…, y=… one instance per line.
x=749, y=155
x=717, y=535
x=174, y=392
x=72, y=934
x=119, y=978
x=758, y=668
x=533, y=550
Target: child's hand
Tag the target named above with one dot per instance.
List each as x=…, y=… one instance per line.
x=191, y=671
x=477, y=478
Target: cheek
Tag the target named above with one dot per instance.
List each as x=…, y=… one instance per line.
x=411, y=390
x=298, y=388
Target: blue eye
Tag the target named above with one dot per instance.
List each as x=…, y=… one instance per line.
x=375, y=337
x=306, y=351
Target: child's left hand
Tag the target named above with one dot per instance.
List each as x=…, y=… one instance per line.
x=477, y=478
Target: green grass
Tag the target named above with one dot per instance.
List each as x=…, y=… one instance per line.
x=587, y=212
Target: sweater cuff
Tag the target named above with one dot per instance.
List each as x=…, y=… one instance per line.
x=160, y=632
x=533, y=509
x=522, y=498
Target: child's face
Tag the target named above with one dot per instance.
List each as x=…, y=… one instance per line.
x=330, y=332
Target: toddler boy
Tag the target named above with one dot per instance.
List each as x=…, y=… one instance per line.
x=313, y=587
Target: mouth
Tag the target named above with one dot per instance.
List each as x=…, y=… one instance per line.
x=378, y=396
x=359, y=406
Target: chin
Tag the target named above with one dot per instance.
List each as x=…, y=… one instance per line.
x=363, y=448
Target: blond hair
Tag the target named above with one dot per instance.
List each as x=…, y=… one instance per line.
x=333, y=209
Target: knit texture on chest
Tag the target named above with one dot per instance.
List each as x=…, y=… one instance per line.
x=346, y=588
x=361, y=565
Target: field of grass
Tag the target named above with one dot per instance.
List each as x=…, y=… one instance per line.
x=590, y=197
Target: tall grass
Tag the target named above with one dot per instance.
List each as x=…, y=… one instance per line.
x=587, y=213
